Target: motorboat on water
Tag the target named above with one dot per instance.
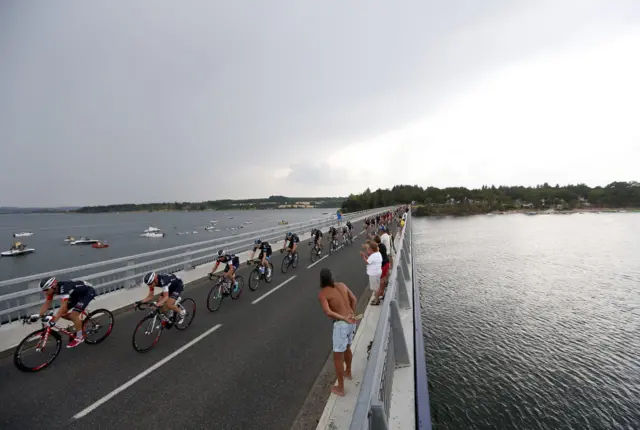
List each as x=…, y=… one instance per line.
x=23, y=234
x=213, y=221
x=84, y=241
x=230, y=217
x=100, y=245
x=152, y=234
x=17, y=249
x=248, y=222
x=151, y=230
x=283, y=222
x=211, y=228
x=69, y=239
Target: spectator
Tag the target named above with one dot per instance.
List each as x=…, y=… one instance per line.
x=373, y=258
x=385, y=271
x=386, y=239
x=339, y=304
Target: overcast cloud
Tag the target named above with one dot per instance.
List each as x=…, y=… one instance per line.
x=109, y=102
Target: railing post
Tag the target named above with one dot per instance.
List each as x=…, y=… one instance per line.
x=400, y=349
x=378, y=419
x=187, y=264
x=130, y=272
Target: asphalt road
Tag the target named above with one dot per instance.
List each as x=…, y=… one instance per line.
x=253, y=372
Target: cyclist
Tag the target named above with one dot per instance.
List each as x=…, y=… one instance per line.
x=265, y=254
x=171, y=286
x=350, y=227
x=332, y=234
x=75, y=296
x=345, y=231
x=293, y=241
x=316, y=237
x=232, y=263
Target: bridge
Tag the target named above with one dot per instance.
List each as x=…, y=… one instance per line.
x=262, y=361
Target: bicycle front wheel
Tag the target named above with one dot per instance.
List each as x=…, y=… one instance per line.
x=285, y=264
x=314, y=254
x=147, y=333
x=294, y=262
x=215, y=297
x=44, y=351
x=190, y=306
x=254, y=279
x=100, y=319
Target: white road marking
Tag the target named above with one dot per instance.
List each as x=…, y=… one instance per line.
x=274, y=290
x=313, y=264
x=121, y=388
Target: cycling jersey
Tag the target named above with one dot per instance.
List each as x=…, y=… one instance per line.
x=77, y=294
x=265, y=248
x=170, y=284
x=230, y=258
x=349, y=225
x=318, y=234
x=293, y=239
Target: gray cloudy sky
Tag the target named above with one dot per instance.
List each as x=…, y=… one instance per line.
x=109, y=102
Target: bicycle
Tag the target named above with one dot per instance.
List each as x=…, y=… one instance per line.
x=345, y=239
x=258, y=274
x=90, y=326
x=333, y=247
x=156, y=319
x=315, y=252
x=289, y=261
x=221, y=289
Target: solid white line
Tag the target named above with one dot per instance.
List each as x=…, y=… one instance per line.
x=275, y=289
x=121, y=388
x=313, y=264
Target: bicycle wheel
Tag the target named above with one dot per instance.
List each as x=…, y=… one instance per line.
x=215, y=297
x=314, y=254
x=254, y=279
x=146, y=328
x=331, y=249
x=190, y=306
x=294, y=262
x=285, y=264
x=96, y=320
x=235, y=293
x=39, y=337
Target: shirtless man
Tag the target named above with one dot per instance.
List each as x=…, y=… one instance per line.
x=339, y=304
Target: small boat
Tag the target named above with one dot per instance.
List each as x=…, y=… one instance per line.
x=100, y=245
x=69, y=239
x=17, y=249
x=152, y=230
x=84, y=241
x=194, y=232
x=213, y=221
x=230, y=217
x=248, y=222
x=209, y=228
x=152, y=234
x=283, y=222
x=23, y=234
x=325, y=213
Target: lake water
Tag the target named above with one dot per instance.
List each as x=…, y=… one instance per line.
x=532, y=322
x=122, y=232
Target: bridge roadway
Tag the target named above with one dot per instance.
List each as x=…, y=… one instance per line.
x=253, y=372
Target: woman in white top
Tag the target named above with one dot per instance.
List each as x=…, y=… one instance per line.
x=373, y=258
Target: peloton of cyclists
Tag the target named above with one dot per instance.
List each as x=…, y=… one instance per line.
x=74, y=295
x=172, y=287
x=264, y=256
x=232, y=262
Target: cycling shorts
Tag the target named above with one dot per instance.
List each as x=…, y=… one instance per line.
x=82, y=302
x=176, y=289
x=262, y=255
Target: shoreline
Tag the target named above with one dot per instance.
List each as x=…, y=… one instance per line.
x=535, y=212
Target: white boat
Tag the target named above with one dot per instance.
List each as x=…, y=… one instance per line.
x=152, y=230
x=69, y=239
x=209, y=228
x=23, y=234
x=213, y=221
x=152, y=234
x=84, y=241
x=17, y=252
x=248, y=222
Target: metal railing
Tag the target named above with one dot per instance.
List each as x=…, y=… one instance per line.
x=21, y=296
x=389, y=350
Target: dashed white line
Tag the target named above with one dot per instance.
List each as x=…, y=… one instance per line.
x=123, y=387
x=313, y=264
x=274, y=290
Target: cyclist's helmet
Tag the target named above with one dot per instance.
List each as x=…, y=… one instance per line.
x=257, y=241
x=47, y=283
x=220, y=253
x=289, y=234
x=149, y=278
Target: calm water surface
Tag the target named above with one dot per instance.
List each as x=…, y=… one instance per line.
x=532, y=322
x=122, y=232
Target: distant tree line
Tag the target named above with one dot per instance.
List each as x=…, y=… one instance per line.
x=246, y=204
x=461, y=201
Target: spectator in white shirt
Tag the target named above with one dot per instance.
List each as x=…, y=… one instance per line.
x=373, y=258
